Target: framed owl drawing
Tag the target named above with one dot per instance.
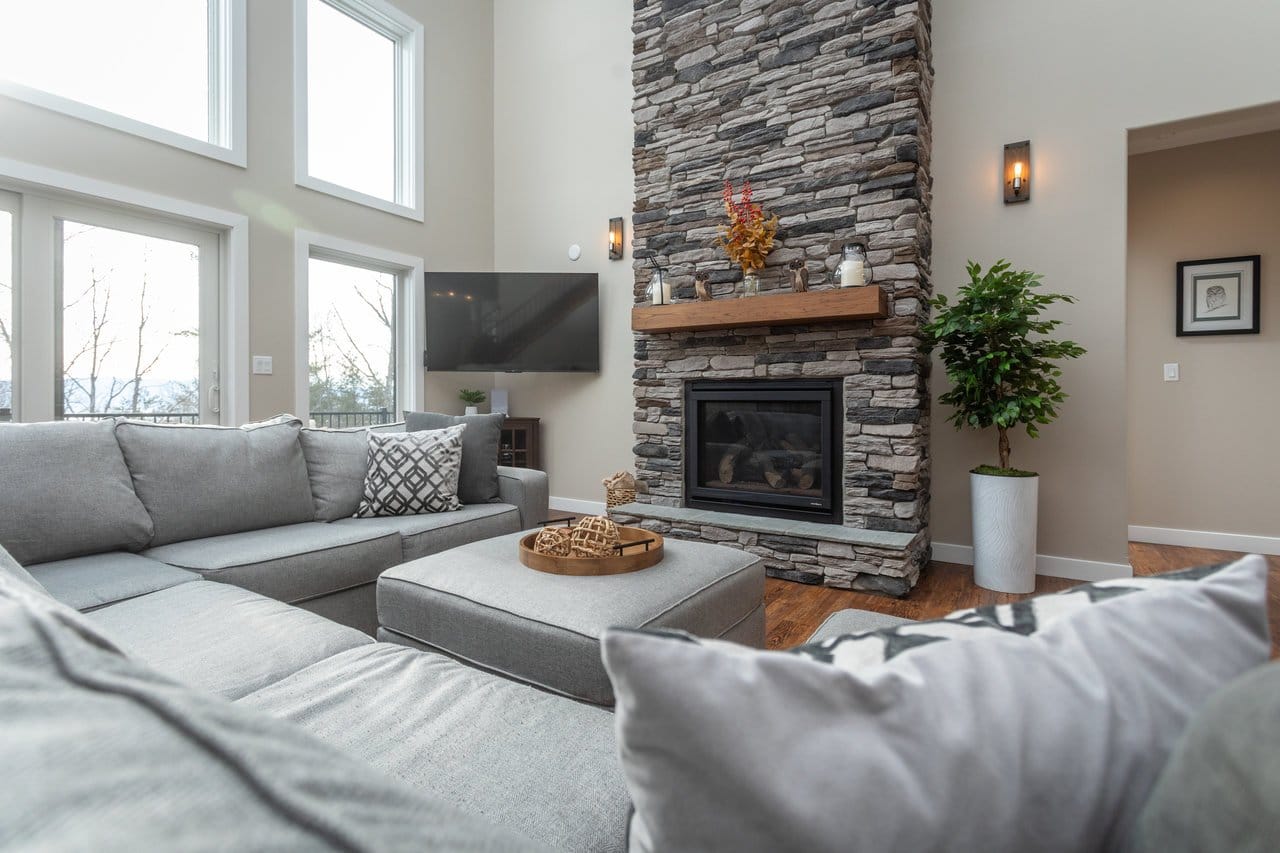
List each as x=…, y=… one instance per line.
x=1219, y=296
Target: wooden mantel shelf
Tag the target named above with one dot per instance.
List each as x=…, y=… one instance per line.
x=785, y=309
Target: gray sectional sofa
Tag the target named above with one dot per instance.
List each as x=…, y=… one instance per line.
x=106, y=511
x=180, y=584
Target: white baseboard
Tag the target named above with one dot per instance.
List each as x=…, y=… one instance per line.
x=1243, y=542
x=575, y=505
x=1071, y=568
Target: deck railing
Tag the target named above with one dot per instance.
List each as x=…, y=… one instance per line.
x=331, y=420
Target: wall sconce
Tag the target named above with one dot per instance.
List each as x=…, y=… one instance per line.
x=1017, y=172
x=615, y=238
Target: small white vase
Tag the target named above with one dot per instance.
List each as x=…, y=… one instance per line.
x=472, y=410
x=1004, y=532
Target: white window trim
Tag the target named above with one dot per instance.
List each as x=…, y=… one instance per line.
x=408, y=35
x=20, y=177
x=410, y=272
x=227, y=101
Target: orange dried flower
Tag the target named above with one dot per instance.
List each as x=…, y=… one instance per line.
x=748, y=237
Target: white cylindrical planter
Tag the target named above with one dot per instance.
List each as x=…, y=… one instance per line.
x=1004, y=532
x=472, y=410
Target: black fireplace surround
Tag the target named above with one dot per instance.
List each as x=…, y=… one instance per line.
x=764, y=447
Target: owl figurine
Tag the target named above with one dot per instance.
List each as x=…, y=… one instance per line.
x=702, y=285
x=799, y=276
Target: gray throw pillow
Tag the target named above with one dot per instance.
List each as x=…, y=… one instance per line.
x=66, y=493
x=337, y=460
x=1220, y=792
x=199, y=481
x=478, y=483
x=412, y=473
x=1000, y=742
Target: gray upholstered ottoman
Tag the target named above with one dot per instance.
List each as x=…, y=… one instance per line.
x=480, y=604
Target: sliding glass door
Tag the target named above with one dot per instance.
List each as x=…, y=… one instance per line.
x=122, y=310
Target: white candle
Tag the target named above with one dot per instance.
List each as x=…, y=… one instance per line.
x=659, y=290
x=851, y=273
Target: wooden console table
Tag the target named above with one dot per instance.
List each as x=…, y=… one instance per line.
x=518, y=444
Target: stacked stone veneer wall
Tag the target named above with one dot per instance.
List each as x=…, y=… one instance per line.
x=824, y=106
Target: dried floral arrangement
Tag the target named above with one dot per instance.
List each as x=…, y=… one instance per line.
x=748, y=237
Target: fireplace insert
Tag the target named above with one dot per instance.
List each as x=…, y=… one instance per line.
x=764, y=447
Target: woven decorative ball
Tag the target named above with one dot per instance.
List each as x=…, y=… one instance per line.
x=594, y=536
x=554, y=541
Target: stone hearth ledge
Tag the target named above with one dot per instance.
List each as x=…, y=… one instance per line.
x=802, y=551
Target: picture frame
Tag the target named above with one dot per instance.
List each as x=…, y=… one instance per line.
x=1219, y=296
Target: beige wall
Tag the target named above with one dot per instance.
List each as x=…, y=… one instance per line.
x=1072, y=77
x=1202, y=450
x=562, y=168
x=458, y=233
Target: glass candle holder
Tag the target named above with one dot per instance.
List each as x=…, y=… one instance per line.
x=853, y=266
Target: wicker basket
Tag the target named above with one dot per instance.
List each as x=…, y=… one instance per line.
x=618, y=497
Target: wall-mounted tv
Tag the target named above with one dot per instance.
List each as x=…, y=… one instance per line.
x=536, y=322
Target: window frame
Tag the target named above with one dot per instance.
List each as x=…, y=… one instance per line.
x=410, y=274
x=40, y=190
x=407, y=35
x=228, y=140
x=11, y=203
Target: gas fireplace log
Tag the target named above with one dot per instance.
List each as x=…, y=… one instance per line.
x=806, y=475
x=729, y=461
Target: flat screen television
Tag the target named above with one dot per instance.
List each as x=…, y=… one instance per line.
x=535, y=322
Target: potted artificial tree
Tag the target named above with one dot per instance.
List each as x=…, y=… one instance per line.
x=1002, y=370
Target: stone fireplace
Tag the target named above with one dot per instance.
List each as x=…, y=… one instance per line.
x=823, y=105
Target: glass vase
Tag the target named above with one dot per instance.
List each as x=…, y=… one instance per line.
x=750, y=284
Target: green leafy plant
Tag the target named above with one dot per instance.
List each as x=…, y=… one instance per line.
x=1002, y=369
x=470, y=397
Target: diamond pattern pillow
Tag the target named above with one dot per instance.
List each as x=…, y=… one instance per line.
x=858, y=651
x=412, y=473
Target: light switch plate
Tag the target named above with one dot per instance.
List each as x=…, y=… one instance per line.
x=1171, y=372
x=262, y=365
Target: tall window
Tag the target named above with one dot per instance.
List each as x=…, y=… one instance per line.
x=170, y=70
x=359, y=314
x=352, y=344
x=358, y=97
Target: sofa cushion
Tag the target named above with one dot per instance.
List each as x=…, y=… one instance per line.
x=541, y=764
x=100, y=753
x=222, y=638
x=999, y=742
x=67, y=492
x=1220, y=791
x=16, y=574
x=89, y=582
x=199, y=481
x=337, y=460
x=290, y=563
x=478, y=482
x=435, y=532
x=412, y=473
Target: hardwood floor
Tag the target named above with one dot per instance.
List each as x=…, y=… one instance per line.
x=794, y=611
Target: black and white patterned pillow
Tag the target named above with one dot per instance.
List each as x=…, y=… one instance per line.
x=412, y=473
x=858, y=651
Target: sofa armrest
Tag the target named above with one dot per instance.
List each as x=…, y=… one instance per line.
x=528, y=490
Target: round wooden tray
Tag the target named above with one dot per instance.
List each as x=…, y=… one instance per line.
x=632, y=559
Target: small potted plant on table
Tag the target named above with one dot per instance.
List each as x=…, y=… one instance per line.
x=1003, y=373
x=473, y=399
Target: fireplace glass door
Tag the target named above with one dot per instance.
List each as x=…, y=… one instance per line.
x=764, y=448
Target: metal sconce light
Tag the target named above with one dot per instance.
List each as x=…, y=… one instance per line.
x=1017, y=172
x=615, y=238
